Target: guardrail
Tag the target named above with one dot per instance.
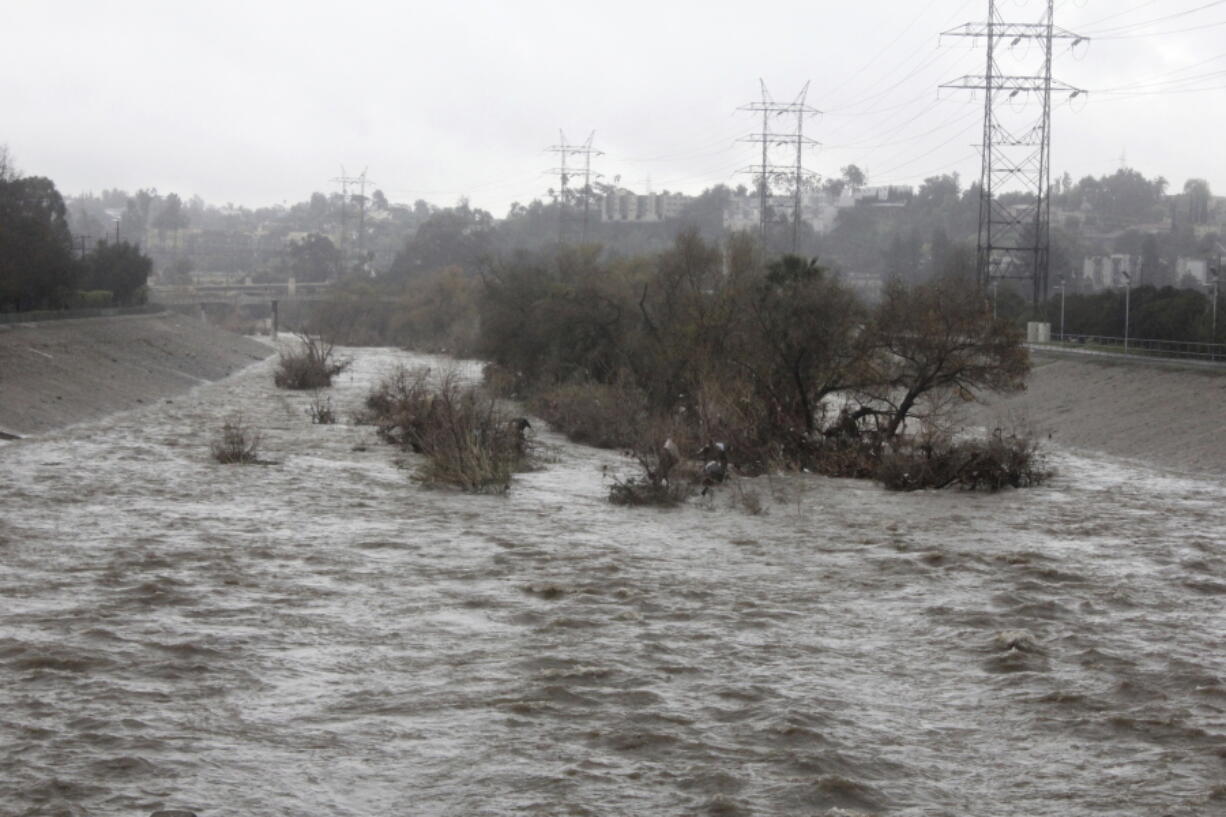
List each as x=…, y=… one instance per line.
x=71, y=314
x=210, y=293
x=1142, y=347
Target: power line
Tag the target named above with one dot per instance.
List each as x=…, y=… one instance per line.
x=1101, y=33
x=889, y=72
x=1119, y=14
x=1150, y=34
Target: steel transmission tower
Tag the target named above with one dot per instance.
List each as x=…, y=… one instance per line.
x=564, y=173
x=344, y=180
x=793, y=174
x=361, y=197
x=1014, y=235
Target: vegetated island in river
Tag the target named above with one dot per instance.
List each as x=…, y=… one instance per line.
x=62, y=372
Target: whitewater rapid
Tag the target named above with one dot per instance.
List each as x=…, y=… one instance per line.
x=324, y=636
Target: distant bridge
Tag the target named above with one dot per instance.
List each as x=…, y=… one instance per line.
x=238, y=294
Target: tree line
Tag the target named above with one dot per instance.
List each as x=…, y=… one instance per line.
x=41, y=267
x=776, y=358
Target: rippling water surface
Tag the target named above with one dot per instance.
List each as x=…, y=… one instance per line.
x=322, y=636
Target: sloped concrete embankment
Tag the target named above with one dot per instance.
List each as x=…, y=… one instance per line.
x=1166, y=415
x=57, y=373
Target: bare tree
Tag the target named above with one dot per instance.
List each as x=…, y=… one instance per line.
x=938, y=341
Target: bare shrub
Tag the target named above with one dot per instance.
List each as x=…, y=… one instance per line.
x=320, y=410
x=502, y=382
x=728, y=410
x=603, y=415
x=312, y=366
x=664, y=478
x=641, y=490
x=990, y=464
x=400, y=407
x=236, y=444
x=857, y=457
x=748, y=500
x=468, y=439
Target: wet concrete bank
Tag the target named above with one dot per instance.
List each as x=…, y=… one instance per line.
x=1169, y=416
x=56, y=373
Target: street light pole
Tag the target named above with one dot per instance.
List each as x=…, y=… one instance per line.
x=1213, y=320
x=1127, y=299
x=1062, y=288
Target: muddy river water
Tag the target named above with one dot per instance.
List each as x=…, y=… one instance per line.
x=323, y=636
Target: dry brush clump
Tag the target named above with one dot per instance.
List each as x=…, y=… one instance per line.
x=236, y=444
x=311, y=366
x=400, y=407
x=468, y=439
x=992, y=463
x=320, y=410
x=663, y=480
x=611, y=415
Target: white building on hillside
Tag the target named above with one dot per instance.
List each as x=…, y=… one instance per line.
x=621, y=205
x=1110, y=271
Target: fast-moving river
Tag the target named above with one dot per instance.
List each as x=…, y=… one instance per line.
x=322, y=636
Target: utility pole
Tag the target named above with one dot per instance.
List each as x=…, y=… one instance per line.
x=1063, y=288
x=1127, y=305
x=766, y=171
x=563, y=172
x=1015, y=240
x=1215, y=273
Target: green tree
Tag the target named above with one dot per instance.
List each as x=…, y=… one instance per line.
x=802, y=342
x=1196, y=192
x=314, y=259
x=122, y=269
x=854, y=177
x=459, y=235
x=37, y=270
x=170, y=218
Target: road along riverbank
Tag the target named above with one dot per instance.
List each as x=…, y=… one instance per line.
x=53, y=374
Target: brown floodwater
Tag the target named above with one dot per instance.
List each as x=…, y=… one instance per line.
x=324, y=636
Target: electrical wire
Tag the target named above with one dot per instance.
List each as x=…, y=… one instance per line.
x=1099, y=34
x=1119, y=14
x=1147, y=35
x=928, y=153
x=976, y=114
x=897, y=37
x=1170, y=84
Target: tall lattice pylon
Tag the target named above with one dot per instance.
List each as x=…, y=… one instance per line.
x=345, y=180
x=1014, y=232
x=772, y=173
x=564, y=173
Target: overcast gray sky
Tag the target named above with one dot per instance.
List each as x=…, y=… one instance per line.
x=259, y=103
